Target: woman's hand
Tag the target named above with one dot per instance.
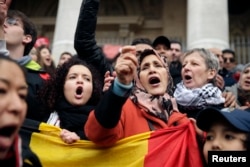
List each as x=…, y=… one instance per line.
x=108, y=79
x=230, y=101
x=69, y=137
x=126, y=65
x=198, y=130
x=219, y=82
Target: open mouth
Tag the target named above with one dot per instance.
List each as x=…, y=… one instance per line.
x=47, y=59
x=247, y=82
x=7, y=131
x=79, y=90
x=154, y=80
x=187, y=77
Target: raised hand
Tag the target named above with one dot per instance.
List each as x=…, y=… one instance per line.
x=220, y=83
x=108, y=79
x=126, y=65
x=3, y=13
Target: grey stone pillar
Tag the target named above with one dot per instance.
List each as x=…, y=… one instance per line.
x=66, y=20
x=207, y=24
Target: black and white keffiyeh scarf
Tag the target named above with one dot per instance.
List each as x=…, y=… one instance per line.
x=199, y=98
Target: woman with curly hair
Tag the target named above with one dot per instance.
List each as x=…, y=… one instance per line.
x=71, y=94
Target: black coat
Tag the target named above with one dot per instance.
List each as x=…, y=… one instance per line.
x=85, y=43
x=36, y=109
x=175, y=72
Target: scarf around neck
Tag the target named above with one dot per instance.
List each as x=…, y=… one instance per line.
x=198, y=98
x=73, y=118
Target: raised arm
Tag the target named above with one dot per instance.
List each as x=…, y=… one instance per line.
x=85, y=42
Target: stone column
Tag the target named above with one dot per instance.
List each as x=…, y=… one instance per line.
x=66, y=20
x=207, y=24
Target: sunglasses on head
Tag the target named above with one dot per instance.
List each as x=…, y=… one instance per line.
x=230, y=60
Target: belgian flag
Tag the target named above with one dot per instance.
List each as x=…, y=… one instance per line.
x=170, y=147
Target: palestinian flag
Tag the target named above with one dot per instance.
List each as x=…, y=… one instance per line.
x=171, y=147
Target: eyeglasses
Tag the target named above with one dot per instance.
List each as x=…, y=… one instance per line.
x=231, y=60
x=11, y=21
x=2, y=2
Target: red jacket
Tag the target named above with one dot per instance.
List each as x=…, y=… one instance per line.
x=132, y=121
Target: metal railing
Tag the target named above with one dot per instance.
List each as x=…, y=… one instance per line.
x=241, y=46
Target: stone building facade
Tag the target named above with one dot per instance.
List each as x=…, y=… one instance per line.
x=196, y=23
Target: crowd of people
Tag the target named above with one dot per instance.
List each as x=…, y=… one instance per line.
x=147, y=86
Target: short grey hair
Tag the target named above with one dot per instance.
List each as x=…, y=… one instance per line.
x=245, y=67
x=211, y=60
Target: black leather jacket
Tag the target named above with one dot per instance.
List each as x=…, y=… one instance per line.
x=85, y=43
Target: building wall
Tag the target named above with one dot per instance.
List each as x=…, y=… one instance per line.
x=155, y=17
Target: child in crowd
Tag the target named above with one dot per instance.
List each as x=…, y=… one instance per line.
x=226, y=130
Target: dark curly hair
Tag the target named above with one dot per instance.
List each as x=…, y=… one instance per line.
x=53, y=90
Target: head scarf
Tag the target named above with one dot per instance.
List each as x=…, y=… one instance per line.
x=159, y=106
